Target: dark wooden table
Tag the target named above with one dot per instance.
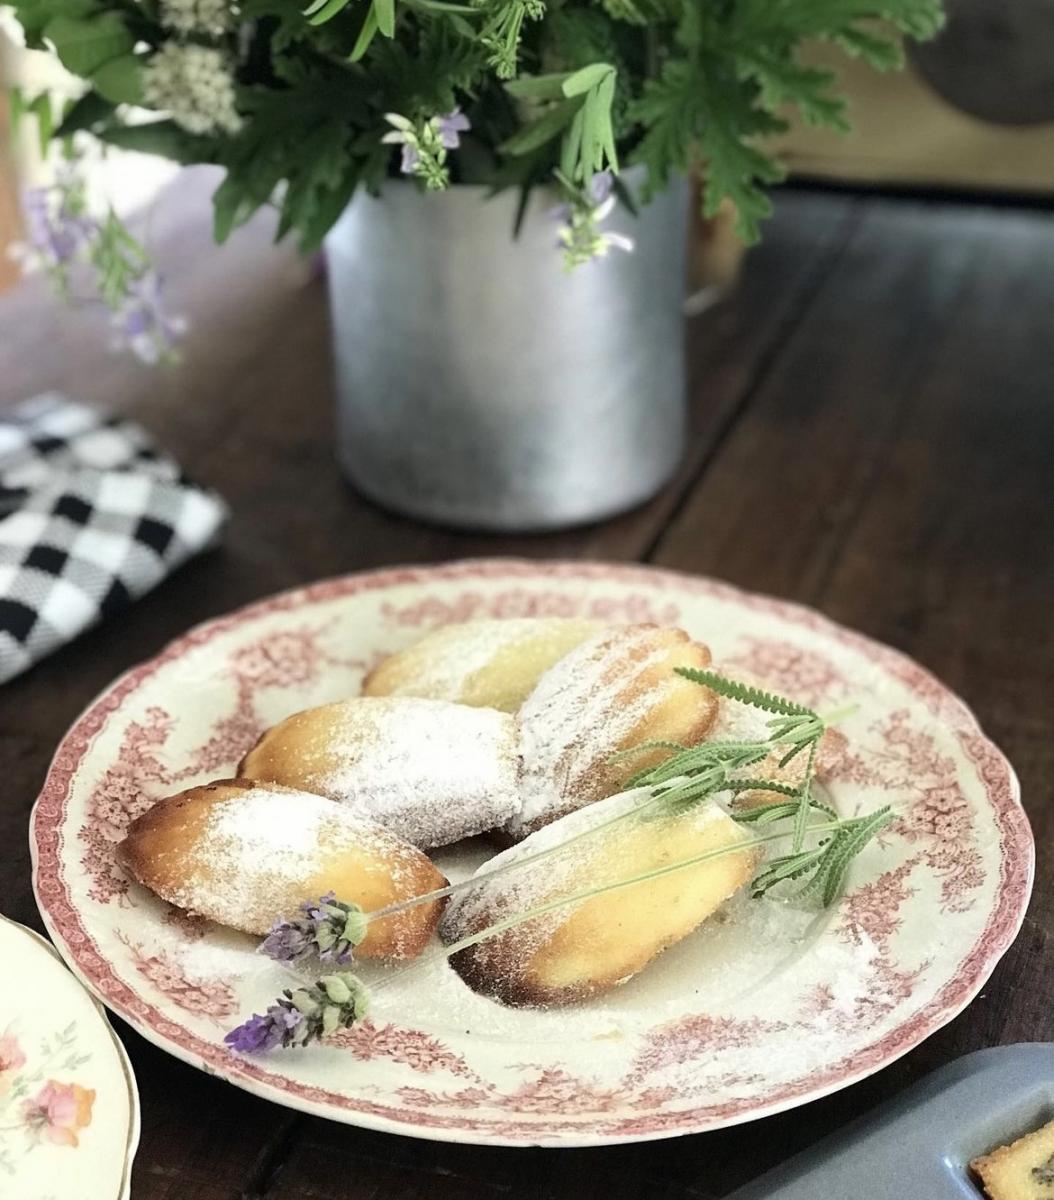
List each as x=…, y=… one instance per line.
x=873, y=434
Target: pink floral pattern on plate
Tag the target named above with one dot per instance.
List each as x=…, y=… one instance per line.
x=208, y=997
x=769, y=1028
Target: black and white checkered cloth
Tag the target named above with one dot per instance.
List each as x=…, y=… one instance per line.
x=92, y=515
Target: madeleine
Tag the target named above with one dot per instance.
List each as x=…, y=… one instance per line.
x=246, y=855
x=589, y=946
x=485, y=663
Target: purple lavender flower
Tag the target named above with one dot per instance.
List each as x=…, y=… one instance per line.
x=54, y=231
x=261, y=1033
x=450, y=128
x=411, y=157
x=600, y=186
x=579, y=235
x=141, y=323
x=303, y=1015
x=287, y=942
x=329, y=928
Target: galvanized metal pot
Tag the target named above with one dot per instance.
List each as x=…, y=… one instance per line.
x=482, y=386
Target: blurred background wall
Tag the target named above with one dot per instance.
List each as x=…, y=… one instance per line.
x=904, y=133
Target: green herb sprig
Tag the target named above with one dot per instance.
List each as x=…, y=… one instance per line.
x=711, y=767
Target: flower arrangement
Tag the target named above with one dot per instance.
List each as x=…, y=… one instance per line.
x=302, y=107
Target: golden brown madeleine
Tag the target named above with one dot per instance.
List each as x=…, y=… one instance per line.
x=485, y=663
x=591, y=946
x=429, y=770
x=615, y=690
x=247, y=854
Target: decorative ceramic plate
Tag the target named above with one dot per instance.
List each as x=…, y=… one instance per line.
x=767, y=1006
x=69, y=1109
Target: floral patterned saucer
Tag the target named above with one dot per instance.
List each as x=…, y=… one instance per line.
x=766, y=1007
x=69, y=1109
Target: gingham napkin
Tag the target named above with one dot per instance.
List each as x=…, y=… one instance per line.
x=92, y=516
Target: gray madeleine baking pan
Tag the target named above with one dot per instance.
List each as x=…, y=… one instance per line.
x=918, y=1145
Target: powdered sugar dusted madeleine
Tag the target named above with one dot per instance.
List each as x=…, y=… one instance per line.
x=246, y=854
x=615, y=690
x=488, y=663
x=590, y=946
x=429, y=770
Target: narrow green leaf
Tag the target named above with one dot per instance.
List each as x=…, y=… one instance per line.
x=587, y=78
x=745, y=693
x=767, y=814
x=802, y=815
x=854, y=842
x=385, y=10
x=605, y=133
x=538, y=87
x=320, y=14
x=709, y=758
x=790, y=866
x=366, y=35
x=590, y=145
x=571, y=149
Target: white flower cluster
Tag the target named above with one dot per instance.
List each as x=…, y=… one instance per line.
x=194, y=84
x=211, y=17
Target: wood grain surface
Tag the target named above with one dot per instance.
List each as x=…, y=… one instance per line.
x=872, y=434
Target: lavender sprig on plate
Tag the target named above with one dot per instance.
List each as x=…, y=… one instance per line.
x=302, y=1015
x=327, y=927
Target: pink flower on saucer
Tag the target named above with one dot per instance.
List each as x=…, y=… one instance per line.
x=59, y=1110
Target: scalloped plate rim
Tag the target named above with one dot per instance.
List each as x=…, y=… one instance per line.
x=525, y=568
